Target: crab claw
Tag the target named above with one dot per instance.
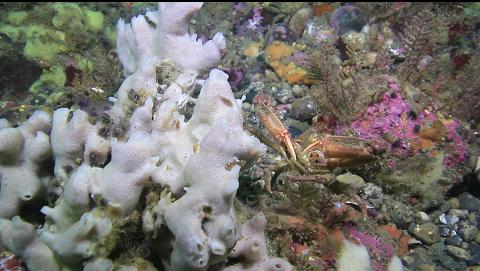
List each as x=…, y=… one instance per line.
x=287, y=140
x=272, y=123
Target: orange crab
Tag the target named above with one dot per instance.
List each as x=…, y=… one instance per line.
x=312, y=153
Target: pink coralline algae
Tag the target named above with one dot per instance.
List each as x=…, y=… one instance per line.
x=389, y=116
x=393, y=120
x=379, y=251
x=458, y=153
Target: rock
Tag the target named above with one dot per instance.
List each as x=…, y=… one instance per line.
x=270, y=76
x=468, y=232
x=427, y=267
x=299, y=20
x=283, y=95
x=427, y=233
x=354, y=40
x=421, y=256
x=304, y=109
x=459, y=253
x=252, y=119
x=319, y=31
x=454, y=203
x=442, y=209
x=348, y=183
x=347, y=18
x=422, y=217
x=474, y=218
x=298, y=91
x=408, y=260
x=399, y=213
x=458, y=212
x=450, y=263
x=438, y=254
x=474, y=250
x=373, y=194
x=454, y=241
x=469, y=202
x=252, y=90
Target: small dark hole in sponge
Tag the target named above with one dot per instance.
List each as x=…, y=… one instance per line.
x=207, y=209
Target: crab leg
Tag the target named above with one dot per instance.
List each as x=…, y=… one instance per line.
x=275, y=127
x=341, y=147
x=311, y=146
x=319, y=178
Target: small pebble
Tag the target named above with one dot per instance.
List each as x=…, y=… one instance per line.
x=355, y=40
x=348, y=182
x=283, y=95
x=299, y=20
x=454, y=203
x=468, y=232
x=474, y=250
x=246, y=106
x=399, y=213
x=469, y=202
x=298, y=91
x=423, y=217
x=250, y=94
x=408, y=260
x=463, y=214
x=427, y=267
x=373, y=194
x=304, y=109
x=427, y=233
x=454, y=241
x=252, y=119
x=459, y=253
x=347, y=18
x=474, y=218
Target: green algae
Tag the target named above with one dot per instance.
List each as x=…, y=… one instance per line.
x=94, y=20
x=42, y=43
x=53, y=78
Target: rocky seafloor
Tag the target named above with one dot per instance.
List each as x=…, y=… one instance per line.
x=404, y=76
